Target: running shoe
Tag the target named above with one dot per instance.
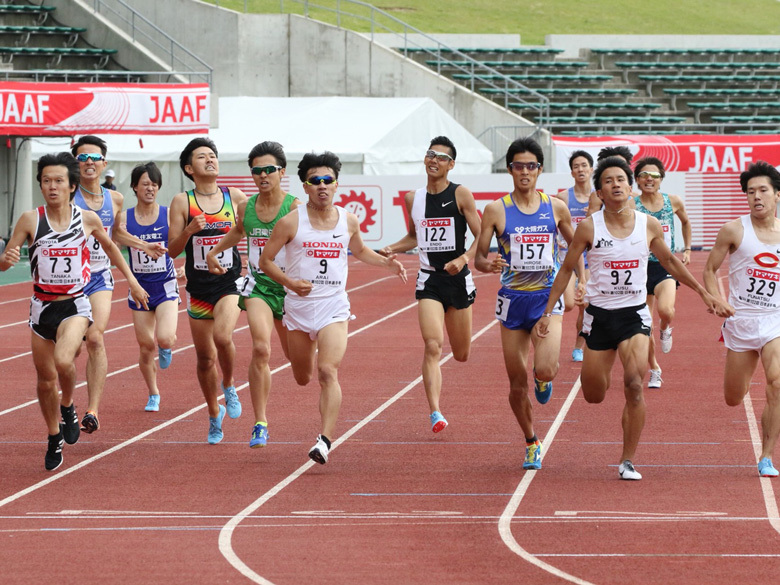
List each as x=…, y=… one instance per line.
x=577, y=355
x=165, y=356
x=533, y=456
x=438, y=422
x=215, y=427
x=543, y=390
x=627, y=471
x=153, y=405
x=766, y=469
x=232, y=403
x=319, y=452
x=655, y=379
x=90, y=422
x=259, y=436
x=666, y=339
x=70, y=424
x=53, y=457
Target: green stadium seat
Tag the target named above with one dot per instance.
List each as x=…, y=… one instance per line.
x=25, y=32
x=57, y=53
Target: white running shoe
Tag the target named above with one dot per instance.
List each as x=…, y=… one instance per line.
x=627, y=471
x=655, y=379
x=666, y=339
x=319, y=452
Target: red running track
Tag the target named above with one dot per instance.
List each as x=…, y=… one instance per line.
x=146, y=500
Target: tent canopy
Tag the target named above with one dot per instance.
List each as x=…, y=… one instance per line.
x=371, y=136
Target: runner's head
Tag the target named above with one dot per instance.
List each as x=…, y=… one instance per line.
x=608, y=163
x=445, y=142
x=621, y=151
x=522, y=145
x=269, y=147
x=185, y=158
x=60, y=159
x=313, y=160
x=760, y=169
x=152, y=180
x=92, y=140
x=649, y=161
x=580, y=154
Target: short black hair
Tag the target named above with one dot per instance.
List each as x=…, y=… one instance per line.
x=444, y=141
x=649, y=160
x=268, y=147
x=89, y=139
x=524, y=145
x=155, y=176
x=313, y=160
x=609, y=162
x=760, y=168
x=61, y=159
x=578, y=154
x=609, y=151
x=185, y=158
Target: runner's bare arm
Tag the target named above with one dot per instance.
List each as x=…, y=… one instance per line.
x=726, y=242
x=679, y=209
x=24, y=231
x=179, y=232
x=468, y=207
x=490, y=218
x=284, y=231
x=232, y=238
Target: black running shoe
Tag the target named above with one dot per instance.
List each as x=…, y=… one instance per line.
x=70, y=427
x=54, y=453
x=90, y=423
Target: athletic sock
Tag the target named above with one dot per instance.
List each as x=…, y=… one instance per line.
x=262, y=423
x=532, y=440
x=326, y=440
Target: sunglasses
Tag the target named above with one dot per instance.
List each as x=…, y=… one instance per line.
x=267, y=170
x=323, y=180
x=528, y=166
x=650, y=174
x=439, y=156
x=94, y=157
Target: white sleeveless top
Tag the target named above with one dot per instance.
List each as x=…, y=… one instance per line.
x=618, y=266
x=754, y=277
x=319, y=256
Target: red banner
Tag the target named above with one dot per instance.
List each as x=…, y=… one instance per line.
x=685, y=153
x=65, y=109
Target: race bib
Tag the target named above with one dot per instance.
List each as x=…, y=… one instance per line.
x=502, y=307
x=437, y=235
x=531, y=252
x=256, y=246
x=322, y=267
x=60, y=266
x=97, y=255
x=624, y=278
x=760, y=288
x=145, y=264
x=202, y=245
x=667, y=235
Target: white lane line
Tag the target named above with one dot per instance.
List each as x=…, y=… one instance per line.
x=766, y=483
x=505, y=522
x=226, y=534
x=161, y=426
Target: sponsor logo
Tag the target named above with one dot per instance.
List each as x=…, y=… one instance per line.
x=444, y=222
x=766, y=259
x=59, y=252
x=333, y=245
x=323, y=253
x=621, y=264
x=763, y=274
x=602, y=243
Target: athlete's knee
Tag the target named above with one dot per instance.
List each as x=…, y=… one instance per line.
x=634, y=390
x=261, y=352
x=166, y=341
x=223, y=340
x=461, y=354
x=433, y=347
x=302, y=378
x=206, y=362
x=546, y=372
x=773, y=391
x=327, y=374
x=666, y=313
x=146, y=346
x=95, y=340
x=518, y=394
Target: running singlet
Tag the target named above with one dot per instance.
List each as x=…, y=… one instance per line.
x=529, y=246
x=618, y=266
x=258, y=232
x=440, y=228
x=754, y=288
x=665, y=215
x=146, y=268
x=319, y=256
x=98, y=258
x=201, y=243
x=59, y=261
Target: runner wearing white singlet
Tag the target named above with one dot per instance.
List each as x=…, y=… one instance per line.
x=753, y=243
x=617, y=320
x=316, y=238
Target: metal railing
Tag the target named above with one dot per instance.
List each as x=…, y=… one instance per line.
x=142, y=30
x=379, y=21
x=98, y=76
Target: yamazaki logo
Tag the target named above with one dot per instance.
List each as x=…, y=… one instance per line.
x=537, y=239
x=59, y=252
x=766, y=259
x=259, y=242
x=621, y=264
x=436, y=222
x=323, y=253
x=763, y=274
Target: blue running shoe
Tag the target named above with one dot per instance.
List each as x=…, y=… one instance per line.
x=577, y=354
x=438, y=422
x=232, y=403
x=215, y=427
x=533, y=456
x=165, y=355
x=543, y=390
x=766, y=469
x=259, y=436
x=154, y=403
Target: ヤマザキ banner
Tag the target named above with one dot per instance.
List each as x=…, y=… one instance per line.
x=65, y=109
